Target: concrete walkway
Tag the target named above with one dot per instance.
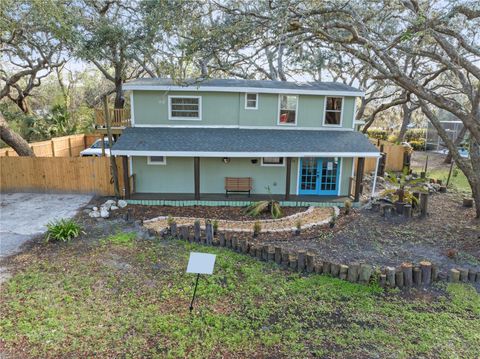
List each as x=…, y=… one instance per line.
x=25, y=215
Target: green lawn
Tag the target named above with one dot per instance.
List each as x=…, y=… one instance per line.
x=130, y=299
x=457, y=180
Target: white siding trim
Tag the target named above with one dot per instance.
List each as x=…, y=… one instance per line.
x=134, y=87
x=132, y=110
x=243, y=154
x=298, y=175
x=281, y=127
x=130, y=162
x=340, y=177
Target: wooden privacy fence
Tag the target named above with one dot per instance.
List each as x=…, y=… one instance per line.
x=59, y=174
x=394, y=158
x=66, y=146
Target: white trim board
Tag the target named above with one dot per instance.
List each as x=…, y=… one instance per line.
x=278, y=127
x=133, y=87
x=243, y=154
x=132, y=110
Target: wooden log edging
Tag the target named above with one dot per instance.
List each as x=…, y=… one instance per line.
x=407, y=275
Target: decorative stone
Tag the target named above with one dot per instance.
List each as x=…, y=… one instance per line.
x=94, y=214
x=122, y=203
x=104, y=213
x=113, y=208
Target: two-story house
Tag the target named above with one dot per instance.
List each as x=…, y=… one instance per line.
x=198, y=140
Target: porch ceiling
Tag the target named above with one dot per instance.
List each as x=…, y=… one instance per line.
x=233, y=142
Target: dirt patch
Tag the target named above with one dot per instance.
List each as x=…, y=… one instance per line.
x=448, y=237
x=206, y=212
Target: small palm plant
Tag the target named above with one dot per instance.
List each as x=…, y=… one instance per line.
x=272, y=206
x=403, y=191
x=63, y=230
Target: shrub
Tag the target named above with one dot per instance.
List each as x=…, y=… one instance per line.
x=123, y=238
x=215, y=226
x=170, y=220
x=415, y=134
x=417, y=145
x=348, y=206
x=392, y=138
x=377, y=133
x=257, y=228
x=298, y=224
x=63, y=230
x=256, y=208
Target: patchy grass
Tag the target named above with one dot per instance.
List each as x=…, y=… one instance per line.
x=121, y=238
x=457, y=180
x=132, y=300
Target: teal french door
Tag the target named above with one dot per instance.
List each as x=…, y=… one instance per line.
x=319, y=176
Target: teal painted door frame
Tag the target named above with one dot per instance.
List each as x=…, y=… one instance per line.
x=319, y=176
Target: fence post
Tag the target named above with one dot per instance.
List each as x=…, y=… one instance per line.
x=69, y=147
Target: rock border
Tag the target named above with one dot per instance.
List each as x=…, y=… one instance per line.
x=251, y=222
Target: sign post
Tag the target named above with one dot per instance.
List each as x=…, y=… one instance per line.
x=200, y=263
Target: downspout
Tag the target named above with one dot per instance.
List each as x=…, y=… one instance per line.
x=375, y=177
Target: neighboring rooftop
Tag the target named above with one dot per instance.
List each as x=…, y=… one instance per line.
x=239, y=85
x=231, y=142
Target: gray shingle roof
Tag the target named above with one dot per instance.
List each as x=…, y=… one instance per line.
x=260, y=85
x=237, y=141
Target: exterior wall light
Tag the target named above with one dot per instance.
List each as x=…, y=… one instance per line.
x=226, y=160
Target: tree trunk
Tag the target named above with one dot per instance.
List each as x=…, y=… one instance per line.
x=457, y=142
x=13, y=139
x=407, y=116
x=119, y=99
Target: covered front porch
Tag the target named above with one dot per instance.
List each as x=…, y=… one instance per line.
x=212, y=165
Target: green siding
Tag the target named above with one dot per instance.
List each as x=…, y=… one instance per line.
x=213, y=172
x=174, y=177
x=228, y=109
x=177, y=175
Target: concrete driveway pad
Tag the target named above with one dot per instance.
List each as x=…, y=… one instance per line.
x=25, y=215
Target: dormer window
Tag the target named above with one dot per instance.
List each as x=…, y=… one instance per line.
x=287, y=110
x=251, y=101
x=333, y=111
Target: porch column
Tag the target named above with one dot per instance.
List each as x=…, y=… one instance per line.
x=288, y=170
x=126, y=178
x=196, y=175
x=359, y=178
x=375, y=177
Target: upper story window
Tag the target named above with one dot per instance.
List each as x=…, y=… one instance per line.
x=333, y=111
x=288, y=110
x=184, y=108
x=251, y=101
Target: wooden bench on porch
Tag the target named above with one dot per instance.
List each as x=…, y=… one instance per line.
x=238, y=184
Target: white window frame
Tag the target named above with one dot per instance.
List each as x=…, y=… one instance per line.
x=325, y=111
x=273, y=164
x=256, y=101
x=150, y=162
x=278, y=113
x=199, y=118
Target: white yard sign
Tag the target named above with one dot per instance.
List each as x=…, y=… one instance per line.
x=200, y=263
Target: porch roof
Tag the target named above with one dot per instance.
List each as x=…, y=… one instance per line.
x=234, y=142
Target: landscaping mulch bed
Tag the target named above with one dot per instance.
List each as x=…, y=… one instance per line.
x=207, y=212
